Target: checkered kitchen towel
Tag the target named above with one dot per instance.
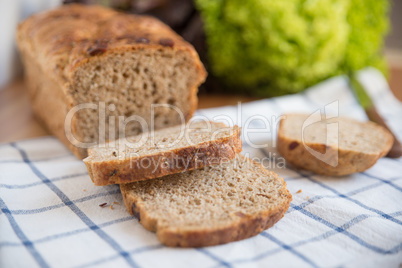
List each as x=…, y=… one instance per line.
x=50, y=213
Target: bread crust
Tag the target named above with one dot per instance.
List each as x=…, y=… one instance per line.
x=60, y=41
x=245, y=227
x=349, y=161
x=48, y=105
x=165, y=163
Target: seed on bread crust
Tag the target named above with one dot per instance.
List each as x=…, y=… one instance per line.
x=293, y=145
x=166, y=42
x=98, y=48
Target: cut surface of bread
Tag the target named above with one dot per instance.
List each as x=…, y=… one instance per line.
x=78, y=54
x=337, y=146
x=166, y=151
x=209, y=206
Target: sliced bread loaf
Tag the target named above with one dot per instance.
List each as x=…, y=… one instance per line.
x=84, y=55
x=163, y=152
x=338, y=146
x=209, y=206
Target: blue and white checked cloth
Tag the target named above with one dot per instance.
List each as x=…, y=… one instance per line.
x=50, y=213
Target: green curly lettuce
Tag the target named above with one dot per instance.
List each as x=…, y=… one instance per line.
x=369, y=23
x=283, y=46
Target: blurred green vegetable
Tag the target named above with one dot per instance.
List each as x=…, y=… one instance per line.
x=283, y=46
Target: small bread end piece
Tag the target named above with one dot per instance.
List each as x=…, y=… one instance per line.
x=356, y=147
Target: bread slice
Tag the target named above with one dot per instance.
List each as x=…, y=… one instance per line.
x=335, y=147
x=163, y=152
x=105, y=62
x=209, y=206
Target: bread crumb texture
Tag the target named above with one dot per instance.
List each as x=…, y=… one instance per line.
x=209, y=206
x=341, y=145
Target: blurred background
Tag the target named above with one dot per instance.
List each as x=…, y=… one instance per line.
x=251, y=49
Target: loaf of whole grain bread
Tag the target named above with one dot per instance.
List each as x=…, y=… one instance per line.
x=110, y=64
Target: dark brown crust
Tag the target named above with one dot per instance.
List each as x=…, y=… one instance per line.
x=162, y=164
x=349, y=161
x=247, y=225
x=57, y=43
x=60, y=42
